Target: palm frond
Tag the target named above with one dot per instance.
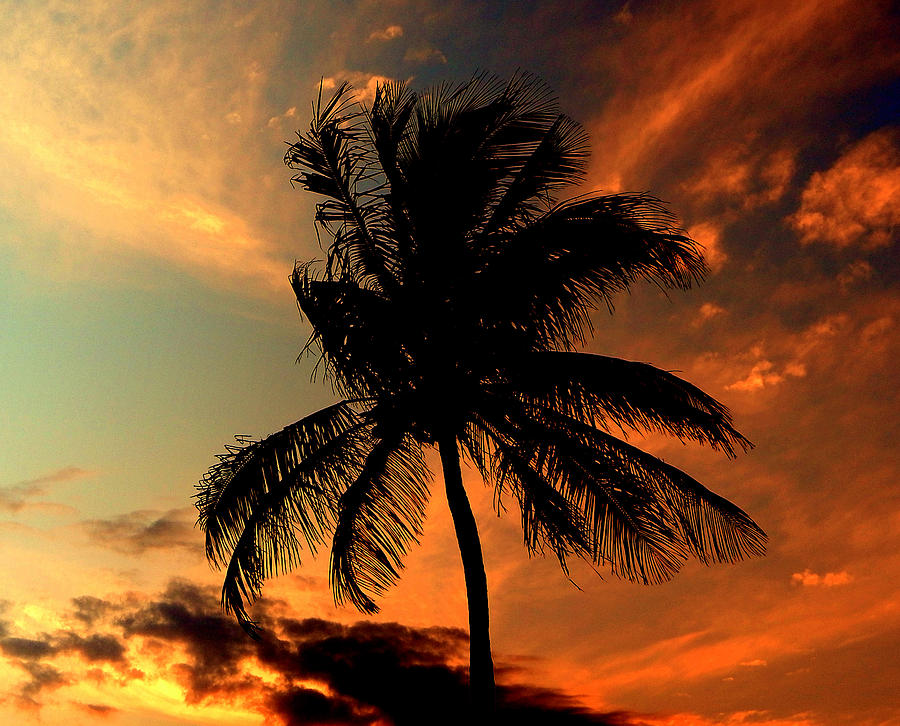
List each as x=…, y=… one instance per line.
x=548, y=276
x=357, y=331
x=465, y=146
x=642, y=516
x=713, y=529
x=389, y=120
x=263, y=496
x=558, y=159
x=379, y=517
x=548, y=518
x=335, y=160
x=624, y=527
x=612, y=391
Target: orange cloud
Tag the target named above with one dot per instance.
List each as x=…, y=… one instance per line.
x=743, y=180
x=708, y=311
x=795, y=353
x=857, y=201
x=763, y=375
x=424, y=54
x=756, y=718
x=874, y=334
x=709, y=235
x=275, y=122
x=364, y=84
x=808, y=578
x=624, y=16
x=388, y=33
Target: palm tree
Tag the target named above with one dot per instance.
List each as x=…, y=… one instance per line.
x=448, y=312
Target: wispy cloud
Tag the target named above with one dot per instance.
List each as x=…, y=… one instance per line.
x=756, y=717
x=18, y=496
x=97, y=709
x=133, y=177
x=755, y=663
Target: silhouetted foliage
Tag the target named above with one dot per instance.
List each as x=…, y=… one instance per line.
x=454, y=294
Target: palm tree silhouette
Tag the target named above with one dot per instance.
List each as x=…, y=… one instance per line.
x=448, y=313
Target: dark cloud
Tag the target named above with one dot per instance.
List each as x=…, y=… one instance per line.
x=42, y=676
x=88, y=608
x=325, y=672
x=29, y=654
x=137, y=532
x=94, y=648
x=26, y=648
x=298, y=705
x=530, y=706
x=188, y=614
x=97, y=709
x=370, y=671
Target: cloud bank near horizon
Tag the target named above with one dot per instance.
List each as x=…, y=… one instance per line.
x=302, y=671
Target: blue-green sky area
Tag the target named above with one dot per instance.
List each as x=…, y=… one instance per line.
x=147, y=231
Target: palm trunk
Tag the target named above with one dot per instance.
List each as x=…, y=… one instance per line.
x=481, y=665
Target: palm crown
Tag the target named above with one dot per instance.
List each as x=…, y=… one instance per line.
x=448, y=312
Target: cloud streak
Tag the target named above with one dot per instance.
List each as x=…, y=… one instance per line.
x=16, y=497
x=706, y=81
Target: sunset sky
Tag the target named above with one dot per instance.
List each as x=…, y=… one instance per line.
x=147, y=230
